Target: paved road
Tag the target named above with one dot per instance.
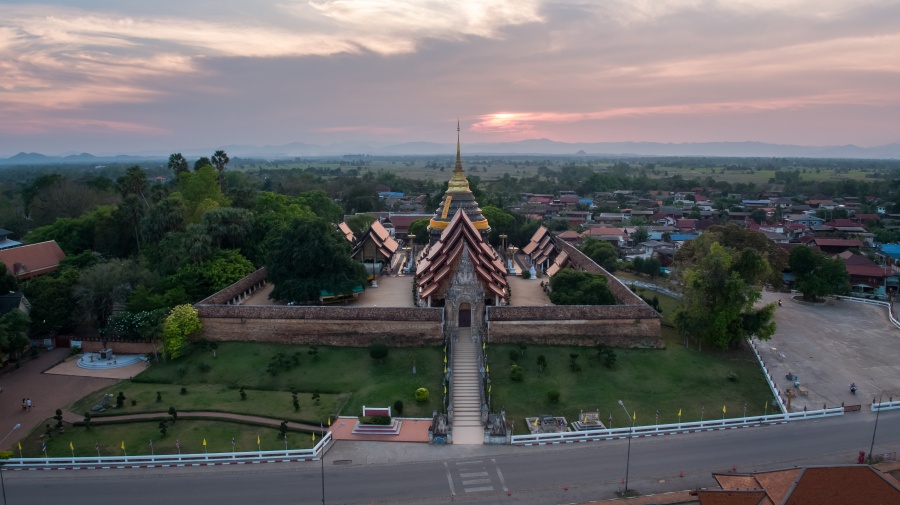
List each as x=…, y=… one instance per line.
x=417, y=473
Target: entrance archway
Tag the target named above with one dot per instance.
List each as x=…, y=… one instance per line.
x=465, y=315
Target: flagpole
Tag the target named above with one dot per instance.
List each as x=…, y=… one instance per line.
x=628, y=457
x=322, y=459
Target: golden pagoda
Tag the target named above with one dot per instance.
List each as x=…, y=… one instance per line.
x=458, y=197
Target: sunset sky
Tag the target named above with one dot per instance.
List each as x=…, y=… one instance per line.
x=109, y=76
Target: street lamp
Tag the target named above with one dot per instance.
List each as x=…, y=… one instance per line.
x=628, y=458
x=877, y=412
x=2, y=483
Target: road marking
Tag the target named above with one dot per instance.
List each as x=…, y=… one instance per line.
x=500, y=475
x=449, y=479
x=476, y=474
x=476, y=481
x=478, y=489
x=469, y=462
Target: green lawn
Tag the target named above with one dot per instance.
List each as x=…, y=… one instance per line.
x=137, y=436
x=647, y=380
x=274, y=404
x=346, y=377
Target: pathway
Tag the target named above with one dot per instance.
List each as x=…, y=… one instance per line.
x=467, y=427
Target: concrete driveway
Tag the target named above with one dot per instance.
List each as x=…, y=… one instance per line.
x=830, y=345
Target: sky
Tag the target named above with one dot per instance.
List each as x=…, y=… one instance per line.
x=161, y=76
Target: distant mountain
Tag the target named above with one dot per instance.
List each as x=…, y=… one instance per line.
x=534, y=147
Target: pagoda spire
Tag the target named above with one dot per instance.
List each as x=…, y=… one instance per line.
x=458, y=181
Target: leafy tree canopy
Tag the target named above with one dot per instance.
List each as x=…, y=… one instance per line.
x=570, y=287
x=750, y=246
x=309, y=255
x=180, y=324
x=419, y=228
x=602, y=252
x=817, y=275
x=719, y=301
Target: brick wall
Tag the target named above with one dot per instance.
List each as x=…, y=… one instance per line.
x=637, y=333
x=118, y=347
x=342, y=326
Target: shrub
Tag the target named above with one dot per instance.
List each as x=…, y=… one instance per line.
x=516, y=373
x=120, y=400
x=87, y=420
x=513, y=355
x=377, y=420
x=133, y=403
x=163, y=427
x=204, y=367
x=378, y=351
x=553, y=396
x=184, y=390
x=158, y=396
x=173, y=413
x=541, y=362
x=526, y=274
x=422, y=395
x=58, y=418
x=398, y=407
x=733, y=377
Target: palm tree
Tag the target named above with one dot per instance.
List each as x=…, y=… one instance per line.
x=197, y=244
x=177, y=164
x=219, y=160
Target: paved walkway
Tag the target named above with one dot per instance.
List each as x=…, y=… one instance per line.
x=47, y=392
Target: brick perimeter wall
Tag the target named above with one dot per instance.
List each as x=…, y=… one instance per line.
x=223, y=297
x=340, y=326
x=624, y=296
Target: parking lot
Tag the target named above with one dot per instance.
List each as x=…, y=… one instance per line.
x=828, y=346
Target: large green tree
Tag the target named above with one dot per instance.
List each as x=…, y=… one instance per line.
x=748, y=243
x=13, y=331
x=571, y=287
x=177, y=164
x=182, y=323
x=219, y=159
x=602, y=252
x=817, y=275
x=720, y=294
x=307, y=256
x=419, y=228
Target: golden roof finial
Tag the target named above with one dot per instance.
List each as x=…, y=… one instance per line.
x=458, y=182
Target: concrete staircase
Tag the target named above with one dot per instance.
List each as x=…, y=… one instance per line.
x=467, y=427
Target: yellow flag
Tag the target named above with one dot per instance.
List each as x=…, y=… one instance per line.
x=535, y=421
x=329, y=421
x=20, y=446
x=445, y=358
x=71, y=447
x=123, y=445
x=634, y=416
x=487, y=368
x=679, y=412
x=314, y=436
x=489, y=388
x=767, y=405
x=483, y=344
x=445, y=389
x=257, y=439
x=204, y=442
x=723, y=409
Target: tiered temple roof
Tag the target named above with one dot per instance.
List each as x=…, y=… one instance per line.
x=540, y=247
x=375, y=244
x=461, y=234
x=458, y=197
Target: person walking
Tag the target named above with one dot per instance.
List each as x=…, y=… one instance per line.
x=24, y=404
x=28, y=402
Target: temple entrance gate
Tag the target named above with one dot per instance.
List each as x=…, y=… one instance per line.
x=465, y=315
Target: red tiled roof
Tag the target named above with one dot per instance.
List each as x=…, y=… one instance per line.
x=32, y=260
x=843, y=484
x=837, y=242
x=603, y=230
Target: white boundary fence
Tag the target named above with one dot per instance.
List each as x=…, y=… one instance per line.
x=170, y=460
x=772, y=386
x=885, y=405
x=670, y=429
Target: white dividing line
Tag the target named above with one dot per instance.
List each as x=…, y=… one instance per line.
x=476, y=481
x=500, y=475
x=449, y=479
x=477, y=489
x=476, y=474
x=477, y=461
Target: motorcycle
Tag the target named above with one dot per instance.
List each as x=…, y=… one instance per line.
x=853, y=389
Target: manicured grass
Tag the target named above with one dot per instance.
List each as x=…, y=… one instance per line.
x=646, y=380
x=137, y=437
x=274, y=404
x=334, y=370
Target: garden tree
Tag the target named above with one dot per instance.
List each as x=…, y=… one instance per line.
x=219, y=160
x=758, y=216
x=13, y=214
x=502, y=222
x=131, y=212
x=570, y=287
x=144, y=325
x=74, y=235
x=200, y=192
x=134, y=182
x=196, y=243
x=322, y=205
x=271, y=211
x=602, y=252
x=52, y=300
x=641, y=234
x=735, y=238
x=104, y=285
x=720, y=292
x=165, y=216
x=308, y=256
x=522, y=234
x=201, y=162
x=65, y=198
x=13, y=332
x=180, y=324
x=817, y=275
x=419, y=228
x=360, y=223
x=173, y=414
x=8, y=283
x=227, y=226
x=177, y=164
x=378, y=351
x=199, y=280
